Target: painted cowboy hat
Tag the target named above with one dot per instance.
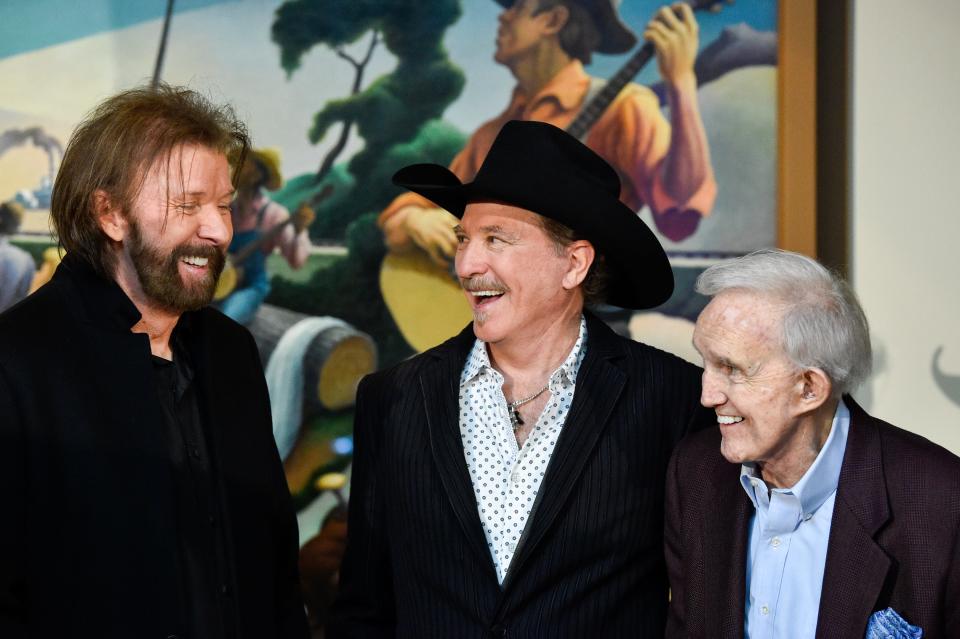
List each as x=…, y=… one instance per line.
x=269, y=162
x=538, y=167
x=615, y=36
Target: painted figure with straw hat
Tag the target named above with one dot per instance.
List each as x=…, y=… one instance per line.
x=260, y=226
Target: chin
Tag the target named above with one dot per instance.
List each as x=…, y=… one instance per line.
x=731, y=453
x=484, y=334
x=488, y=329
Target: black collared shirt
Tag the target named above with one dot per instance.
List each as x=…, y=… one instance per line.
x=207, y=589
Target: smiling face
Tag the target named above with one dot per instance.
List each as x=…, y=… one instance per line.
x=176, y=234
x=748, y=380
x=517, y=282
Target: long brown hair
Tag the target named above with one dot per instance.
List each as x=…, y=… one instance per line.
x=115, y=146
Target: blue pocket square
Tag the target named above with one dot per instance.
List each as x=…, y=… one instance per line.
x=887, y=624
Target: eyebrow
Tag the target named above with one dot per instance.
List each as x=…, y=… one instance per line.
x=496, y=229
x=228, y=194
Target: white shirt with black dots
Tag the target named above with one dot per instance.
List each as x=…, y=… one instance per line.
x=506, y=478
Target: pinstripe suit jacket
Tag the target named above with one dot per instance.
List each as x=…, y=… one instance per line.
x=894, y=537
x=590, y=560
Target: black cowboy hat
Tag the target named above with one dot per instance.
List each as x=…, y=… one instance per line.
x=615, y=36
x=538, y=167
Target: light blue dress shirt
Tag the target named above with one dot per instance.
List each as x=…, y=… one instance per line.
x=787, y=548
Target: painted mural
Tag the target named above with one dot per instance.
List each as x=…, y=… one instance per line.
x=339, y=94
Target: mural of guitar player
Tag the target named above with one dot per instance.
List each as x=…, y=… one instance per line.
x=544, y=44
x=663, y=163
x=350, y=96
x=260, y=227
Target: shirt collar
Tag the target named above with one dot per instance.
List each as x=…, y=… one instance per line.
x=567, y=87
x=102, y=298
x=821, y=479
x=478, y=360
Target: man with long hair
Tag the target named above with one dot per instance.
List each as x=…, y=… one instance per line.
x=142, y=488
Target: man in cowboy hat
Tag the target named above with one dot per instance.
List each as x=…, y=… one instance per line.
x=544, y=44
x=509, y=482
x=16, y=265
x=254, y=216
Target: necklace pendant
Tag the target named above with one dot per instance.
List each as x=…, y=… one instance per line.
x=515, y=419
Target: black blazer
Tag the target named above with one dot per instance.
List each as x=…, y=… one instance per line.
x=894, y=537
x=88, y=537
x=590, y=561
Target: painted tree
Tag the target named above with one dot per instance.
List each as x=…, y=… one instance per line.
x=398, y=116
x=394, y=107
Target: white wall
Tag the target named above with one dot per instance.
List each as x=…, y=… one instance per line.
x=905, y=226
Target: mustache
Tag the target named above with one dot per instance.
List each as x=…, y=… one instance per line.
x=483, y=284
x=199, y=250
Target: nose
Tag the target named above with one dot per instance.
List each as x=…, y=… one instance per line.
x=216, y=225
x=505, y=15
x=711, y=394
x=469, y=261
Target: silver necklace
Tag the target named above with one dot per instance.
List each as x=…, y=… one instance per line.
x=515, y=419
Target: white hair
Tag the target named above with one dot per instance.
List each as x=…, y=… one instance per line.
x=823, y=325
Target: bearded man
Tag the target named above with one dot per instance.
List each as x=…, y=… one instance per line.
x=143, y=493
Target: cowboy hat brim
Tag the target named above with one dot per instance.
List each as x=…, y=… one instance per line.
x=640, y=273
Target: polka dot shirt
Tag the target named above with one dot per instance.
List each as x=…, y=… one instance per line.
x=506, y=478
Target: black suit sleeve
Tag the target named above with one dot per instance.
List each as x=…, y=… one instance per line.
x=365, y=604
x=13, y=608
x=673, y=542
x=291, y=622
x=952, y=593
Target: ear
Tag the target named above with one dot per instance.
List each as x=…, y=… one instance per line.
x=815, y=389
x=556, y=19
x=581, y=255
x=109, y=216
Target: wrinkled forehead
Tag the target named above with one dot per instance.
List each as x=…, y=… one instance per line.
x=480, y=214
x=175, y=169
x=741, y=315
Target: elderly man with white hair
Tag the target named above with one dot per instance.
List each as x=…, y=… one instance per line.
x=800, y=515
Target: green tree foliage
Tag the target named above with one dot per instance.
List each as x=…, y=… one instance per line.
x=350, y=288
x=394, y=107
x=398, y=116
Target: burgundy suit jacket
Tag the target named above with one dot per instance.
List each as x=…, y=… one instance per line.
x=894, y=538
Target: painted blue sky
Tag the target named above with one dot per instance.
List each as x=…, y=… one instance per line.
x=34, y=24
x=759, y=14
x=224, y=47
x=27, y=25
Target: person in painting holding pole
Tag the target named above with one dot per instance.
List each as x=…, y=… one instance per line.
x=798, y=514
x=142, y=490
x=509, y=482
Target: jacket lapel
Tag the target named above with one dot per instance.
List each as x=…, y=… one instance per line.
x=726, y=531
x=119, y=362
x=598, y=387
x=856, y=567
x=439, y=386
